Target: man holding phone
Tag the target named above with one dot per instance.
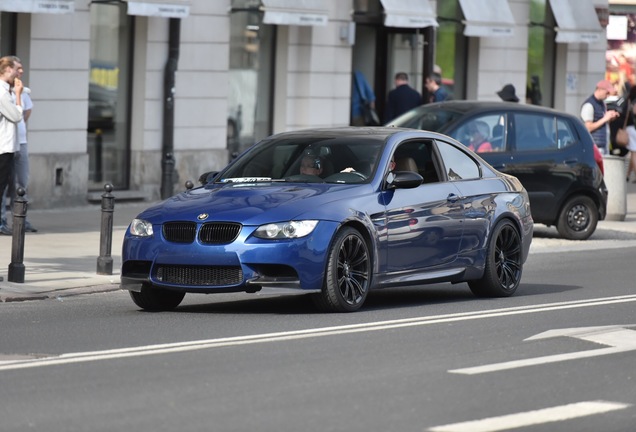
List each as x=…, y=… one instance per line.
x=10, y=116
x=596, y=116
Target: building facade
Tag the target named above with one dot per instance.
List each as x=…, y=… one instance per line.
x=146, y=95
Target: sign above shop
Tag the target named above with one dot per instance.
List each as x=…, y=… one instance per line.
x=38, y=6
x=159, y=8
x=577, y=21
x=487, y=18
x=293, y=12
x=408, y=14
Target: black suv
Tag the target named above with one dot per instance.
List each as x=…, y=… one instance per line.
x=550, y=152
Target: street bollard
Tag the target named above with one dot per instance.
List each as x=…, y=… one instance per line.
x=615, y=181
x=16, y=267
x=105, y=260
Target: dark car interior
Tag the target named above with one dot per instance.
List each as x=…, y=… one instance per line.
x=339, y=161
x=417, y=157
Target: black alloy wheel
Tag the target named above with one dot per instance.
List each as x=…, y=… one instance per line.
x=348, y=275
x=502, y=272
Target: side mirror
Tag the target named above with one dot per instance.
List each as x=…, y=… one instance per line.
x=404, y=179
x=207, y=177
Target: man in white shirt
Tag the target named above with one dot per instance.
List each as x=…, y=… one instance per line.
x=20, y=176
x=10, y=116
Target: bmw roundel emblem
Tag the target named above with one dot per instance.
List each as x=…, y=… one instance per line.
x=203, y=216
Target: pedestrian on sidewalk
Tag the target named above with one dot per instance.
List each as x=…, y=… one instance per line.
x=596, y=116
x=20, y=176
x=10, y=116
x=402, y=98
x=435, y=89
x=362, y=101
x=631, y=130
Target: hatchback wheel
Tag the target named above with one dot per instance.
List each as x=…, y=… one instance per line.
x=502, y=272
x=348, y=274
x=578, y=218
x=156, y=299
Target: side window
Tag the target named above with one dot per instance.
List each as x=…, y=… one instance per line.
x=565, y=135
x=535, y=132
x=482, y=134
x=417, y=156
x=457, y=164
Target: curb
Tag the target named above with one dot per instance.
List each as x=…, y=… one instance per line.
x=59, y=294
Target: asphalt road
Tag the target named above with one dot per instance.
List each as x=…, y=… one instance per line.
x=419, y=359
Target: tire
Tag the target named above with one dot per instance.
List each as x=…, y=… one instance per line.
x=348, y=275
x=578, y=218
x=155, y=299
x=504, y=263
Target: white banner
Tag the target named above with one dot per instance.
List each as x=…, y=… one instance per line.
x=38, y=6
x=166, y=10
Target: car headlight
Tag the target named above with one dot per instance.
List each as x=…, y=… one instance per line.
x=141, y=228
x=286, y=230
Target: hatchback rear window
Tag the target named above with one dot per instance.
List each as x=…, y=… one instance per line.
x=535, y=132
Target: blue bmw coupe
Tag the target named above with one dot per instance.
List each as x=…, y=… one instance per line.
x=334, y=213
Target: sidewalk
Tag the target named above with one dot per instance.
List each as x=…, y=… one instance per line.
x=61, y=258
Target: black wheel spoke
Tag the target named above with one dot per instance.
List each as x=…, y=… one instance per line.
x=508, y=258
x=356, y=287
x=352, y=270
x=359, y=261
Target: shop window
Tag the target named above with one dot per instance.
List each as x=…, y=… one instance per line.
x=621, y=52
x=451, y=48
x=541, y=52
x=249, y=117
x=108, y=111
x=8, y=26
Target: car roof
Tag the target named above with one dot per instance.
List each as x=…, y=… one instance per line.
x=472, y=106
x=373, y=132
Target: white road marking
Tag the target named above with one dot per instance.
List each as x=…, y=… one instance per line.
x=304, y=334
x=618, y=338
x=529, y=418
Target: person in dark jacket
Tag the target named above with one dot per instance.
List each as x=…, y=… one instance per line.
x=402, y=98
x=596, y=116
x=435, y=89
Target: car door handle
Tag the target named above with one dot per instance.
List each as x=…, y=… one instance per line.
x=453, y=198
x=499, y=167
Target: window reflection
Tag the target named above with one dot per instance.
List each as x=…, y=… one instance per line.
x=541, y=52
x=107, y=95
x=250, y=77
x=451, y=48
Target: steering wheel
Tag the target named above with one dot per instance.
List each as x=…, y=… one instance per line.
x=359, y=174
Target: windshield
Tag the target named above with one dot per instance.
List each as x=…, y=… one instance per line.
x=426, y=117
x=307, y=160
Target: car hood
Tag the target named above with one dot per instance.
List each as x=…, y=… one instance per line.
x=255, y=204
